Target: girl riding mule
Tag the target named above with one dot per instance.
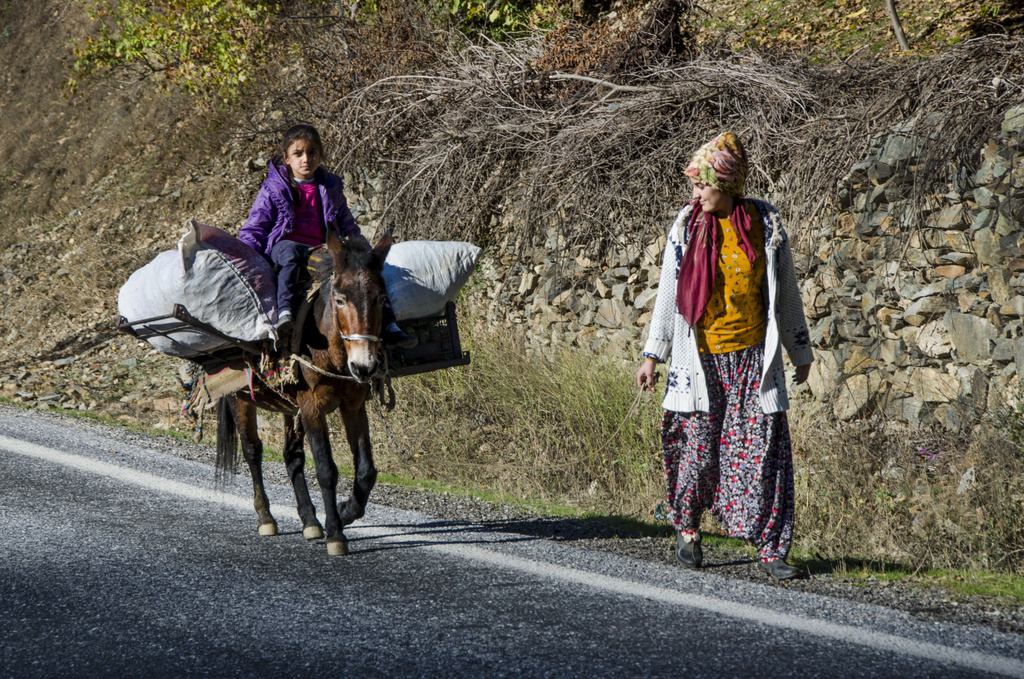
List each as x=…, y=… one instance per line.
x=341, y=344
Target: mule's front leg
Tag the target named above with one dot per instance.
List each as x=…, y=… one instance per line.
x=315, y=424
x=295, y=462
x=357, y=430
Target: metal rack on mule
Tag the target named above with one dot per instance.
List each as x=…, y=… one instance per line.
x=212, y=374
x=439, y=345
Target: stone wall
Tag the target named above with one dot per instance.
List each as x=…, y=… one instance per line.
x=914, y=297
x=918, y=316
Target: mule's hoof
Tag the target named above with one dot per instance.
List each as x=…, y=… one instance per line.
x=313, y=532
x=337, y=548
x=268, y=529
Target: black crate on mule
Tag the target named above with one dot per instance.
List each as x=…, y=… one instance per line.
x=439, y=346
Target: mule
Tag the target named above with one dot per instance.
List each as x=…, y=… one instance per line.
x=340, y=343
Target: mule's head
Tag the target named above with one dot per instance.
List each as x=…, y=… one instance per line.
x=357, y=296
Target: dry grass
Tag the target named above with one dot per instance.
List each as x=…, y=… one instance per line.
x=931, y=499
x=558, y=428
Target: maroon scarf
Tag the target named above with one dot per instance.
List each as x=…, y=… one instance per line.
x=697, y=271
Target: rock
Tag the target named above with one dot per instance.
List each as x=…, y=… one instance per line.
x=879, y=196
x=900, y=148
x=1018, y=355
x=1007, y=225
x=1013, y=120
x=993, y=248
x=858, y=361
x=936, y=288
x=554, y=286
x=602, y=289
x=879, y=173
x=824, y=374
x=950, y=271
x=926, y=308
x=966, y=482
x=974, y=385
x=985, y=198
x=845, y=225
x=999, y=284
x=129, y=363
x=911, y=410
x=972, y=336
x=891, y=318
x=933, y=339
x=619, y=273
x=1004, y=351
x=924, y=522
x=646, y=299
x=857, y=395
x=894, y=352
x=527, y=284
x=952, y=416
x=930, y=385
x=612, y=313
x=952, y=218
x=964, y=259
x=823, y=332
x=982, y=219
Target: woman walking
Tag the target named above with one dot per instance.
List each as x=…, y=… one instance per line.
x=727, y=304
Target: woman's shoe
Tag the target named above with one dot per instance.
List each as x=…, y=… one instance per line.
x=779, y=569
x=689, y=553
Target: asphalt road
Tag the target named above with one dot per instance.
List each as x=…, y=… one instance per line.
x=119, y=560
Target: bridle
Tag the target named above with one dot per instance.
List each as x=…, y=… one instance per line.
x=360, y=338
x=355, y=338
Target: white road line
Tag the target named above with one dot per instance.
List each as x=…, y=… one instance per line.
x=985, y=662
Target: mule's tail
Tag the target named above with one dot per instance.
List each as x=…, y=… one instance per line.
x=227, y=441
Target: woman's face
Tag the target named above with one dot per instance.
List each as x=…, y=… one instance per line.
x=712, y=200
x=302, y=158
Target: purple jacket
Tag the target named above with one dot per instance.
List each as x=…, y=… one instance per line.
x=273, y=212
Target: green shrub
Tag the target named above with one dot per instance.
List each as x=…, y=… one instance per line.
x=207, y=47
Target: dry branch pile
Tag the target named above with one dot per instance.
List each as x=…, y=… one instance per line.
x=494, y=131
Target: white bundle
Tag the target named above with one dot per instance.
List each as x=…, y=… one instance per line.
x=423, y=276
x=220, y=280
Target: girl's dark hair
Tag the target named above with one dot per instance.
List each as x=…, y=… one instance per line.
x=306, y=133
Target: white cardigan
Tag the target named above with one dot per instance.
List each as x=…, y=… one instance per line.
x=668, y=334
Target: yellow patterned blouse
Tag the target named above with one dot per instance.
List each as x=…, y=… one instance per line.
x=735, y=317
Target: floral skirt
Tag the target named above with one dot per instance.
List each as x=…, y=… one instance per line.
x=735, y=460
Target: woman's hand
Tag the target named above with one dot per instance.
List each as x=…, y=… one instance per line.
x=802, y=373
x=647, y=375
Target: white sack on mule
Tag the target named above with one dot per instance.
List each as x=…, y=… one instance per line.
x=219, y=279
x=423, y=276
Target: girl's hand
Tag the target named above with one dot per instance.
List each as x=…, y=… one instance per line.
x=802, y=373
x=647, y=375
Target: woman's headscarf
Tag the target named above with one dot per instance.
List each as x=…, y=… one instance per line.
x=721, y=164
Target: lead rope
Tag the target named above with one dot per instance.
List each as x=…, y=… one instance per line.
x=378, y=400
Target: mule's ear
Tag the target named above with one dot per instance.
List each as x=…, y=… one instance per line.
x=338, y=250
x=380, y=250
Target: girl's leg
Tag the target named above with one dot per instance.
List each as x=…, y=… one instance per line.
x=756, y=497
x=289, y=257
